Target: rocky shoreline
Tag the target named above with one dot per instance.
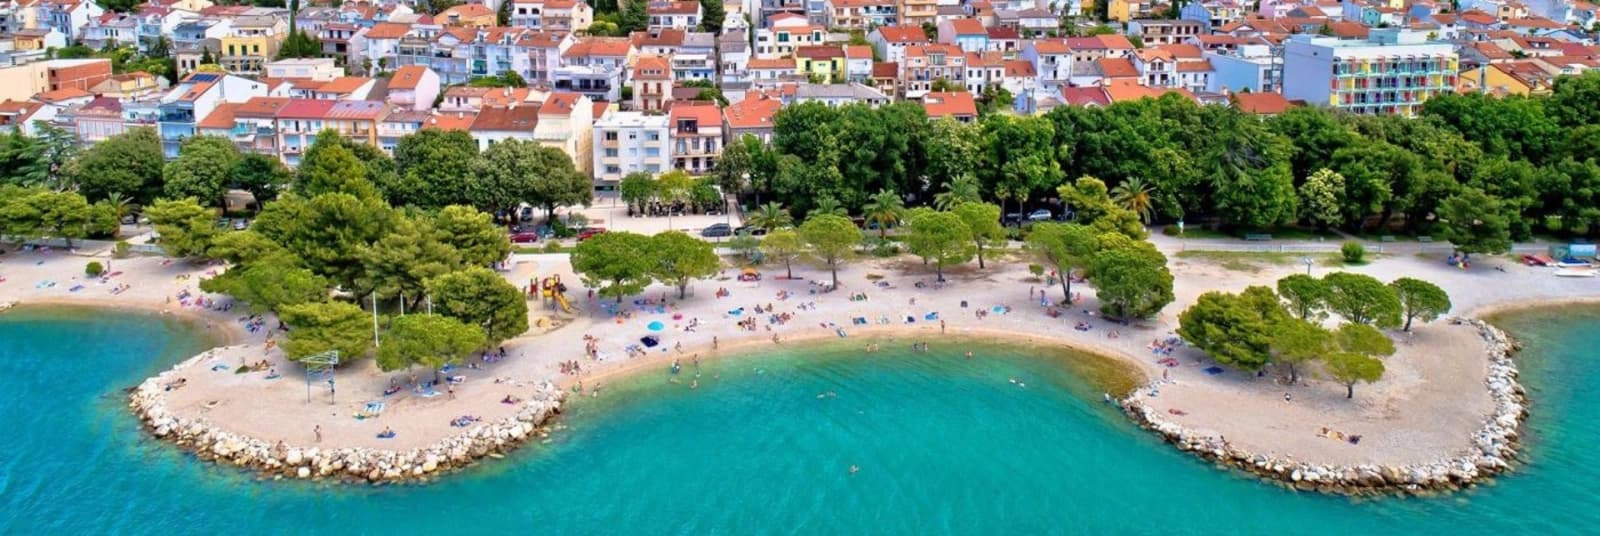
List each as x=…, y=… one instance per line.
x=1494, y=445
x=210, y=442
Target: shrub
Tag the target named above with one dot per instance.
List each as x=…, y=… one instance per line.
x=1036, y=269
x=94, y=269
x=120, y=250
x=1353, y=252
x=552, y=247
x=1170, y=230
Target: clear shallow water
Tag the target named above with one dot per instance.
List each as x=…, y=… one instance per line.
x=945, y=445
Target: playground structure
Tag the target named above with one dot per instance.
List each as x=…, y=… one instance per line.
x=551, y=291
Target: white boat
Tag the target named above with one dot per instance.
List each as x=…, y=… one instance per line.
x=1576, y=272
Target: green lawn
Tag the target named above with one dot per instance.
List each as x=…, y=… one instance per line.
x=1254, y=261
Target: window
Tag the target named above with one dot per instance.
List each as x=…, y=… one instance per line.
x=652, y=136
x=613, y=170
x=611, y=152
x=633, y=135
x=652, y=151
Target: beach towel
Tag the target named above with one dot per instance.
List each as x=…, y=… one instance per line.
x=931, y=316
x=1213, y=370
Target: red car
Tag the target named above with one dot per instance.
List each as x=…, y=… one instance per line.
x=590, y=233
x=524, y=238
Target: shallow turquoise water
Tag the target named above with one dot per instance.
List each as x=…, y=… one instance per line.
x=944, y=445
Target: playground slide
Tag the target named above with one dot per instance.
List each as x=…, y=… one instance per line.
x=561, y=299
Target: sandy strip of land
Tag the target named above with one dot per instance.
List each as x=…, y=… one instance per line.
x=1425, y=408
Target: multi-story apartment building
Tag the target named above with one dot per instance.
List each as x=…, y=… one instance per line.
x=566, y=122
x=684, y=14
x=195, y=98
x=413, y=87
x=1391, y=72
x=860, y=14
x=652, y=83
x=495, y=125
x=917, y=12
x=255, y=125
x=1051, y=59
x=1257, y=67
x=785, y=32
x=252, y=43
x=626, y=142
x=891, y=41
x=925, y=64
x=1157, y=32
x=320, y=69
x=24, y=81
x=594, y=66
x=696, y=137
x=552, y=15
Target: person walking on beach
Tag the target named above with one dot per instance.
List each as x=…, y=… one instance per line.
x=941, y=327
x=317, y=430
x=713, y=342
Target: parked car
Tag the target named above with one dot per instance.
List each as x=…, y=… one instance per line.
x=240, y=225
x=751, y=230
x=1039, y=215
x=1011, y=219
x=524, y=238
x=717, y=230
x=590, y=233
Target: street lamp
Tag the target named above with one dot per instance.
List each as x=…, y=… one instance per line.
x=1306, y=260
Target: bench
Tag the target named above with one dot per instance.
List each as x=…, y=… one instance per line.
x=1257, y=237
x=1424, y=239
x=1386, y=238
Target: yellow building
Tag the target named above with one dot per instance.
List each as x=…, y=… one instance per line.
x=1524, y=77
x=1126, y=10
x=252, y=43
x=820, y=63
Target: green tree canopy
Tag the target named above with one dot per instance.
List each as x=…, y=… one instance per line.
x=983, y=222
x=1474, y=222
x=261, y=175
x=186, y=228
x=201, y=169
x=1065, y=247
x=1362, y=299
x=1131, y=282
x=1235, y=329
x=331, y=326
x=614, y=262
x=130, y=164
x=402, y=262
x=435, y=168
x=328, y=232
x=1420, y=300
x=679, y=258
x=479, y=297
x=432, y=341
x=831, y=239
x=1307, y=296
x=783, y=245
x=473, y=234
x=330, y=167
x=942, y=239
x=636, y=188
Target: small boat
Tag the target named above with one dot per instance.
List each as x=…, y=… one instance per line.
x=1576, y=272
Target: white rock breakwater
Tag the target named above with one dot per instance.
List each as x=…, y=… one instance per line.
x=211, y=441
x=1493, y=445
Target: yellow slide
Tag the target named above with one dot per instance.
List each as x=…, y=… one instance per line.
x=561, y=299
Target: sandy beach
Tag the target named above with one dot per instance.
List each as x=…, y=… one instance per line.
x=1426, y=407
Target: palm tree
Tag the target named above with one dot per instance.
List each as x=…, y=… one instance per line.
x=120, y=205
x=885, y=209
x=828, y=205
x=770, y=217
x=1133, y=194
x=964, y=189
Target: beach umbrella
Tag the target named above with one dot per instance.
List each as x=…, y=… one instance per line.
x=655, y=325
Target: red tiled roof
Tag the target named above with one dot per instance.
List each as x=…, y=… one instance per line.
x=598, y=46
x=1478, y=17
x=673, y=8
x=467, y=11
x=755, y=111
x=652, y=68
x=373, y=110
x=1117, y=68
x=344, y=84
x=1260, y=103
x=1051, y=46
x=66, y=93
x=886, y=69
x=705, y=114
x=858, y=52
x=1085, y=96
x=1004, y=32
x=388, y=30
x=517, y=119
x=451, y=120
x=559, y=104
x=220, y=117
x=305, y=109
x=949, y=104
x=967, y=27
x=407, y=77
x=260, y=107
x=903, y=34
x=1348, y=30
x=819, y=52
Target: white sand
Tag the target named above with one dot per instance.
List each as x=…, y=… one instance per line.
x=1431, y=400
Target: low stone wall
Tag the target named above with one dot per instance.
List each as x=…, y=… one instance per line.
x=211, y=442
x=1493, y=445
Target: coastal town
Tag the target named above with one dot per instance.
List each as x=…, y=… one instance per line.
x=1283, y=234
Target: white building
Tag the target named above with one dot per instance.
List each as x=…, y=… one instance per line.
x=626, y=142
x=1390, y=72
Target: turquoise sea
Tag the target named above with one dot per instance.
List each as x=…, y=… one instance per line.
x=943, y=444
